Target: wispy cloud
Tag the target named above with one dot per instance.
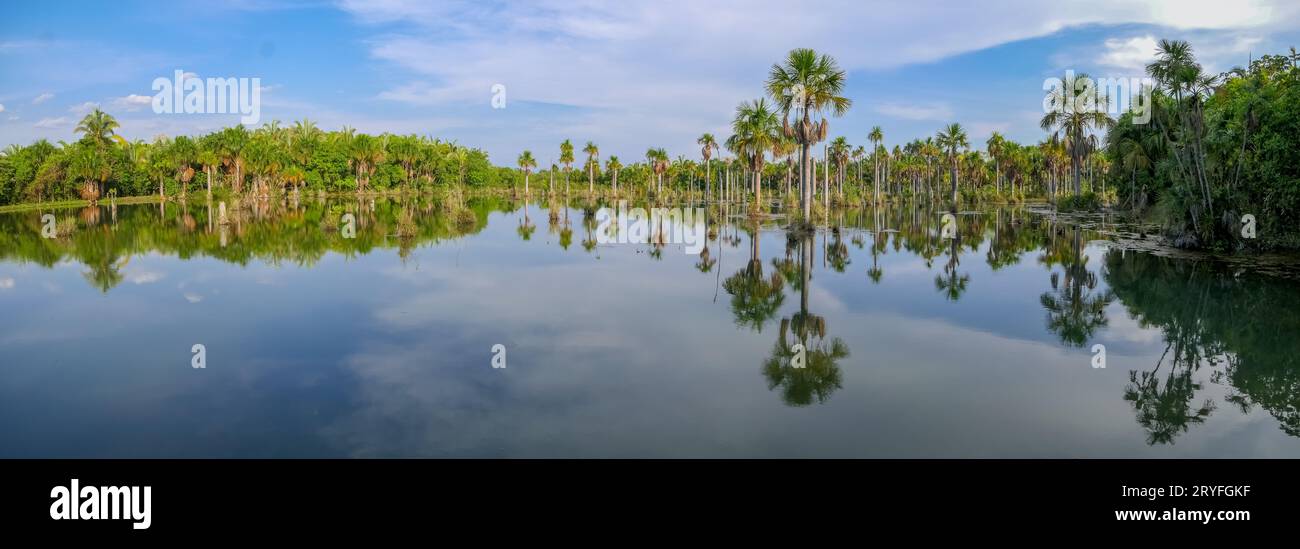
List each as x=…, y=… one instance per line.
x=132, y=102
x=51, y=123
x=83, y=108
x=683, y=63
x=42, y=98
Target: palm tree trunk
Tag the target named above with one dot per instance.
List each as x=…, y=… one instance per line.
x=805, y=183
x=954, y=181
x=708, y=180
x=1078, y=185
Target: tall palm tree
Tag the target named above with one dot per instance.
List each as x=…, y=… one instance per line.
x=1178, y=73
x=996, y=146
x=209, y=159
x=613, y=165
x=839, y=153
x=86, y=163
x=527, y=163
x=755, y=132
x=858, y=154
x=876, y=137
x=566, y=158
x=807, y=85
x=1081, y=112
x=230, y=146
x=98, y=127
x=593, y=161
x=367, y=153
x=785, y=147
x=953, y=138
x=1134, y=158
x=659, y=166
x=183, y=153
x=708, y=145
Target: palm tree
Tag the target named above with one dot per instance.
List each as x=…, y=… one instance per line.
x=1177, y=72
x=98, y=128
x=183, y=153
x=1134, y=158
x=840, y=151
x=613, y=165
x=858, y=154
x=364, y=155
x=209, y=160
x=593, y=154
x=1081, y=112
x=755, y=132
x=230, y=147
x=86, y=163
x=708, y=145
x=996, y=146
x=657, y=161
x=566, y=158
x=527, y=163
x=807, y=85
x=876, y=137
x=953, y=138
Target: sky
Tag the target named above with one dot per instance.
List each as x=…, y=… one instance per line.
x=626, y=74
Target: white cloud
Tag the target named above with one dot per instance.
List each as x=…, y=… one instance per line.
x=1216, y=51
x=144, y=277
x=132, y=103
x=42, y=98
x=193, y=297
x=83, y=108
x=6, y=283
x=48, y=123
x=2, y=107
x=682, y=63
x=1131, y=54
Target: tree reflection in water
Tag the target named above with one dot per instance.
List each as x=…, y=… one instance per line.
x=1218, y=326
x=820, y=376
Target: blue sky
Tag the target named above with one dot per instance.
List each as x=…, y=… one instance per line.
x=627, y=74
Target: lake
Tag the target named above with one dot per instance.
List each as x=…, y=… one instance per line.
x=367, y=328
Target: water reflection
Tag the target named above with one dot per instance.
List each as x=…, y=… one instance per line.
x=755, y=298
x=804, y=362
x=1240, y=327
x=1198, y=345
x=1076, y=308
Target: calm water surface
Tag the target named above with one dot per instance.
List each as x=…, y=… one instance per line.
x=381, y=345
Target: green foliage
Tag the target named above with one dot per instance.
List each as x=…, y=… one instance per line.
x=1243, y=127
x=270, y=159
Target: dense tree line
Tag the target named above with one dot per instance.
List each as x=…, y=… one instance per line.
x=1218, y=148
x=266, y=160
